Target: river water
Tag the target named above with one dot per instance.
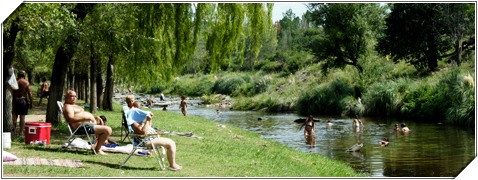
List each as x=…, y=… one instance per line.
x=429, y=150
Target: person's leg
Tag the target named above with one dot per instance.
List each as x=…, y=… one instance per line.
x=170, y=146
x=14, y=119
x=41, y=97
x=102, y=132
x=22, y=123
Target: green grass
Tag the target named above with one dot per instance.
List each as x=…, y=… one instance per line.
x=223, y=152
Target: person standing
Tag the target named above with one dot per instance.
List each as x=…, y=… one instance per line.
x=183, y=105
x=22, y=100
x=44, y=91
x=357, y=123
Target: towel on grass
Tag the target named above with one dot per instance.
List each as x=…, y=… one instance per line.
x=37, y=161
x=82, y=144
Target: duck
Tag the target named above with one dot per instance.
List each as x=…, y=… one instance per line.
x=384, y=142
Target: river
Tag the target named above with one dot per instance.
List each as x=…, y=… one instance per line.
x=429, y=150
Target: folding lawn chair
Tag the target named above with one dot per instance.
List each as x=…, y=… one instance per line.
x=124, y=127
x=73, y=134
x=138, y=142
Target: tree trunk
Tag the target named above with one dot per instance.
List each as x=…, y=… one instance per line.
x=60, y=66
x=62, y=61
x=432, y=54
x=86, y=80
x=107, y=102
x=99, y=83
x=8, y=44
x=71, y=80
x=93, y=73
x=458, y=49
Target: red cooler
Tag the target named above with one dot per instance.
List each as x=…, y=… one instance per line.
x=37, y=131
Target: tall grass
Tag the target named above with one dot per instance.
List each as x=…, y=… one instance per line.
x=385, y=98
x=447, y=96
x=193, y=85
x=326, y=98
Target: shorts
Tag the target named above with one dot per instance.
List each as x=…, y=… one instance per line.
x=145, y=139
x=20, y=106
x=45, y=94
x=89, y=128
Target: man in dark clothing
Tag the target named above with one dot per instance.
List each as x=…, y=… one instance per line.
x=20, y=101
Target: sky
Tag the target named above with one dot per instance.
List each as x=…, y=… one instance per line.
x=298, y=8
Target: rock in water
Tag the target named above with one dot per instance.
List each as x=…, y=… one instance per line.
x=355, y=148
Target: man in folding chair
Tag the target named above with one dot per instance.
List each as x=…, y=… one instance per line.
x=75, y=115
x=139, y=122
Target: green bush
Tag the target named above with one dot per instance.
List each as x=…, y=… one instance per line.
x=444, y=97
x=193, y=86
x=384, y=98
x=326, y=98
x=227, y=85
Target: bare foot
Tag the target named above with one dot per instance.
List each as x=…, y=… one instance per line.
x=175, y=168
x=100, y=152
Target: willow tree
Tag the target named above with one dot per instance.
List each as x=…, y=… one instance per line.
x=168, y=34
x=257, y=32
x=160, y=41
x=228, y=25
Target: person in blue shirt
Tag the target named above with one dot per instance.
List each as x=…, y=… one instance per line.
x=139, y=122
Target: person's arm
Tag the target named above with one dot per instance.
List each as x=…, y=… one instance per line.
x=29, y=94
x=142, y=130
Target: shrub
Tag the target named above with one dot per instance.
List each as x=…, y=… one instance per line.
x=384, y=98
x=326, y=98
x=193, y=86
x=227, y=85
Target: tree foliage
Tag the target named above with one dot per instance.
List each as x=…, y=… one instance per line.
x=422, y=34
x=348, y=32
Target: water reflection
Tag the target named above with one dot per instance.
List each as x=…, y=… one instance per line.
x=427, y=150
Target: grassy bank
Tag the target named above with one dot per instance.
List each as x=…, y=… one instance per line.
x=223, y=152
x=384, y=89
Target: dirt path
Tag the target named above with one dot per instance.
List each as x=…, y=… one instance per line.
x=38, y=112
x=35, y=118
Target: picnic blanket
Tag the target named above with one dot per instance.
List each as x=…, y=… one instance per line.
x=37, y=161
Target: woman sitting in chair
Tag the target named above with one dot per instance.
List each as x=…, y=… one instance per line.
x=139, y=122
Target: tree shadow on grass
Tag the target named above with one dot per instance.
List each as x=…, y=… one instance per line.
x=117, y=166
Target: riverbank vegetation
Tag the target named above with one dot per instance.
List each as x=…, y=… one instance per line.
x=372, y=71
x=223, y=151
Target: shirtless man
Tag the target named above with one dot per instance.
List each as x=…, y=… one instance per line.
x=75, y=115
x=20, y=101
x=44, y=91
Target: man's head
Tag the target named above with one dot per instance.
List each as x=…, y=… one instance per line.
x=130, y=100
x=70, y=97
x=21, y=74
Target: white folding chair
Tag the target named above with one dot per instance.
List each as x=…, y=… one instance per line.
x=73, y=134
